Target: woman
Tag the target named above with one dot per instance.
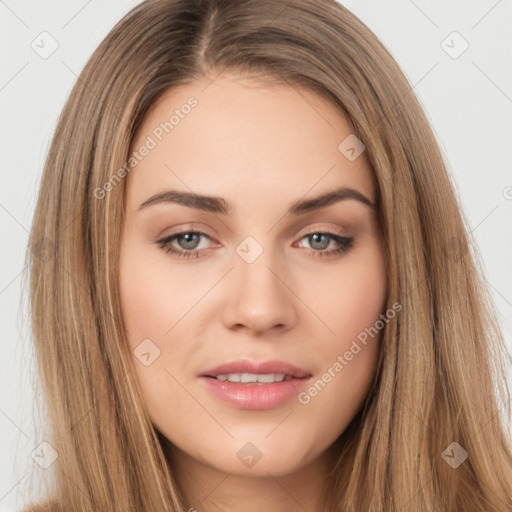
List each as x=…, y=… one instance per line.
x=254, y=369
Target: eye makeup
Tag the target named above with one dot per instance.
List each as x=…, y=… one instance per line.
x=344, y=244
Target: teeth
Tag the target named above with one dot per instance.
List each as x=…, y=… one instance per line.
x=252, y=377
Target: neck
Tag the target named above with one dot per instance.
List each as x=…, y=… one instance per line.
x=206, y=489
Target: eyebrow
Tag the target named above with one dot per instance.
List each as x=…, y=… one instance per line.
x=220, y=205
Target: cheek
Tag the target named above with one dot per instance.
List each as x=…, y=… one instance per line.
x=351, y=307
x=154, y=306
x=152, y=299
x=349, y=302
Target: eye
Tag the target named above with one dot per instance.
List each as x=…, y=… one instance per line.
x=188, y=241
x=320, y=240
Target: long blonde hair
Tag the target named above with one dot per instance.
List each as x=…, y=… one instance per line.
x=441, y=378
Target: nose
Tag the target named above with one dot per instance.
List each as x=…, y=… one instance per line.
x=259, y=296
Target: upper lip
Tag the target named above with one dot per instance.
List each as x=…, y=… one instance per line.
x=246, y=366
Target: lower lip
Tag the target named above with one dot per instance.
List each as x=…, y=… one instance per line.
x=253, y=395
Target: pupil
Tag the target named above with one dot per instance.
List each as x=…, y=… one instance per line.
x=188, y=240
x=315, y=238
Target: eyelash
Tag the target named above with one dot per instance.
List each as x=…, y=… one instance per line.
x=345, y=244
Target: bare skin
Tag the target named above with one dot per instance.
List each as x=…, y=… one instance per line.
x=261, y=148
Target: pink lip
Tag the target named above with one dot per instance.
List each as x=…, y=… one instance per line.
x=254, y=395
x=245, y=366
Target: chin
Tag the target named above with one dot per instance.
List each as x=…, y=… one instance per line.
x=259, y=457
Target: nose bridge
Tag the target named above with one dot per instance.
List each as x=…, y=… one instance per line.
x=259, y=298
x=256, y=265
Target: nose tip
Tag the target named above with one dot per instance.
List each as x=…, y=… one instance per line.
x=258, y=298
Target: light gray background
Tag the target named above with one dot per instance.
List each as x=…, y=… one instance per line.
x=468, y=100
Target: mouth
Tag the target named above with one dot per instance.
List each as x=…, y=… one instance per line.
x=244, y=370
x=247, y=385
x=250, y=378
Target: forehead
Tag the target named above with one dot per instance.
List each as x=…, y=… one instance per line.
x=239, y=137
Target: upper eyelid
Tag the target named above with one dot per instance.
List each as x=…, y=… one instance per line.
x=341, y=231
x=309, y=231
x=327, y=231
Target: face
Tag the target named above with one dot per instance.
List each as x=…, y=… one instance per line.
x=260, y=278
